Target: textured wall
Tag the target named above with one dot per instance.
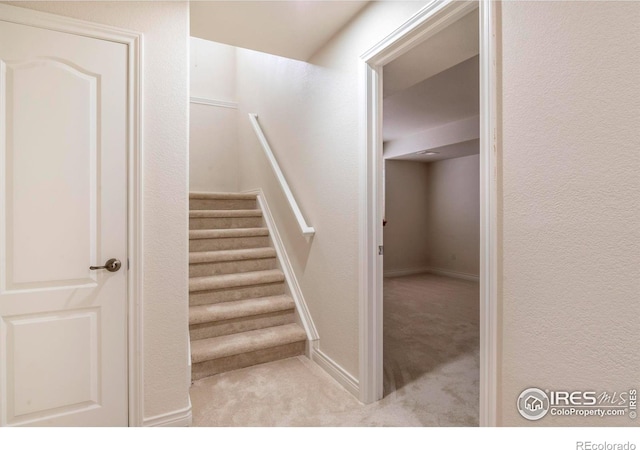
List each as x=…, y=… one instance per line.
x=213, y=70
x=310, y=114
x=406, y=234
x=165, y=27
x=213, y=149
x=454, y=215
x=213, y=131
x=571, y=200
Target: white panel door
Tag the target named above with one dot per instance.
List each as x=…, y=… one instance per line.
x=63, y=208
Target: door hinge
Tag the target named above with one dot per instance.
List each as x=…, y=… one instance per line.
x=128, y=265
x=380, y=249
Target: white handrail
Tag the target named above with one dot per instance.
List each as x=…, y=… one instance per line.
x=306, y=229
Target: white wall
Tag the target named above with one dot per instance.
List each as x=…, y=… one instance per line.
x=570, y=201
x=454, y=215
x=310, y=113
x=433, y=216
x=213, y=130
x=213, y=70
x=406, y=234
x=165, y=28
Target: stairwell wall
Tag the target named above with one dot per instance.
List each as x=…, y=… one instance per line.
x=213, y=130
x=310, y=113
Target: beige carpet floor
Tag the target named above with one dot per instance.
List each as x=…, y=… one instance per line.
x=431, y=370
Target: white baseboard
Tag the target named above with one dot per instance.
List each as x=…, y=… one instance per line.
x=336, y=371
x=433, y=270
x=180, y=418
x=403, y=272
x=449, y=273
x=287, y=269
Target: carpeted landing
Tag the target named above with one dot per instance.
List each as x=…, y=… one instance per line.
x=431, y=370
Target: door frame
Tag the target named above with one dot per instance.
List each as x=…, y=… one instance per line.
x=134, y=42
x=432, y=18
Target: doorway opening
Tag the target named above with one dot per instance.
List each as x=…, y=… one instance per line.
x=431, y=231
x=446, y=58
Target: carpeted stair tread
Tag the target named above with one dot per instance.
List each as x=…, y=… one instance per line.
x=240, y=308
x=221, y=196
x=207, y=213
x=249, y=341
x=235, y=280
x=228, y=233
x=231, y=255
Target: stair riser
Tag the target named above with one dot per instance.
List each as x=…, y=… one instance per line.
x=219, y=268
x=217, y=283
x=203, y=245
x=213, y=367
x=195, y=204
x=213, y=223
x=225, y=327
x=238, y=293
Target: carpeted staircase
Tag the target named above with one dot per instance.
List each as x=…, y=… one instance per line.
x=239, y=314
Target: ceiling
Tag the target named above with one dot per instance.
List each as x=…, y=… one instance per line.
x=456, y=43
x=446, y=97
x=431, y=96
x=293, y=29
